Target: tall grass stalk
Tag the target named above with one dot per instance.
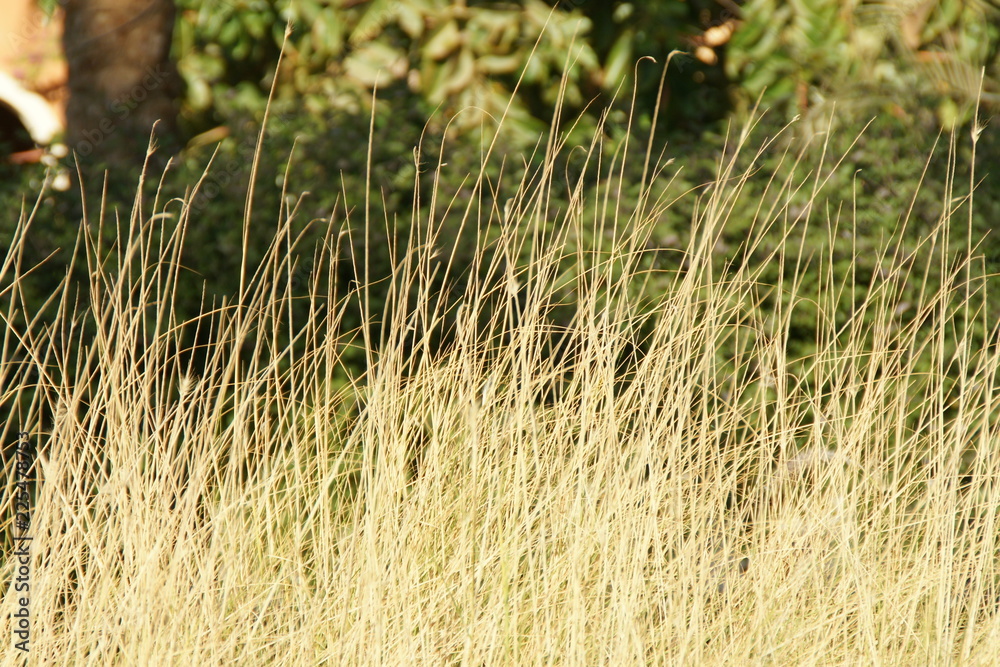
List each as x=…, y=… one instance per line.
x=706, y=501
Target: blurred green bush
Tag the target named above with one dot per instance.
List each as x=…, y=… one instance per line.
x=449, y=65
x=866, y=56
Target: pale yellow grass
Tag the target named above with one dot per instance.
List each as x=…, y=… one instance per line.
x=257, y=510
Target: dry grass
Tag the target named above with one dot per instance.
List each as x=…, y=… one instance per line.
x=713, y=509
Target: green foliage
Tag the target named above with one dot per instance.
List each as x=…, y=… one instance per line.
x=458, y=58
x=459, y=61
x=48, y=6
x=869, y=221
x=456, y=65
x=866, y=56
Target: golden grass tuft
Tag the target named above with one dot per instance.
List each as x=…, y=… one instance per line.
x=493, y=503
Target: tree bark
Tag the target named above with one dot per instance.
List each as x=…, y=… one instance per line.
x=121, y=78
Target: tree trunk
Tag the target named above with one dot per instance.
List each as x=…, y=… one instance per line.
x=121, y=78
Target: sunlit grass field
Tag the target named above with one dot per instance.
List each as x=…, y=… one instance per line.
x=653, y=480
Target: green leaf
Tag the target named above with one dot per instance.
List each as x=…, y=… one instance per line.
x=465, y=70
x=494, y=64
x=375, y=63
x=256, y=24
x=410, y=20
x=619, y=59
x=436, y=81
x=373, y=21
x=443, y=42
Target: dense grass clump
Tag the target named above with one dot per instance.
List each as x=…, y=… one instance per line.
x=568, y=451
